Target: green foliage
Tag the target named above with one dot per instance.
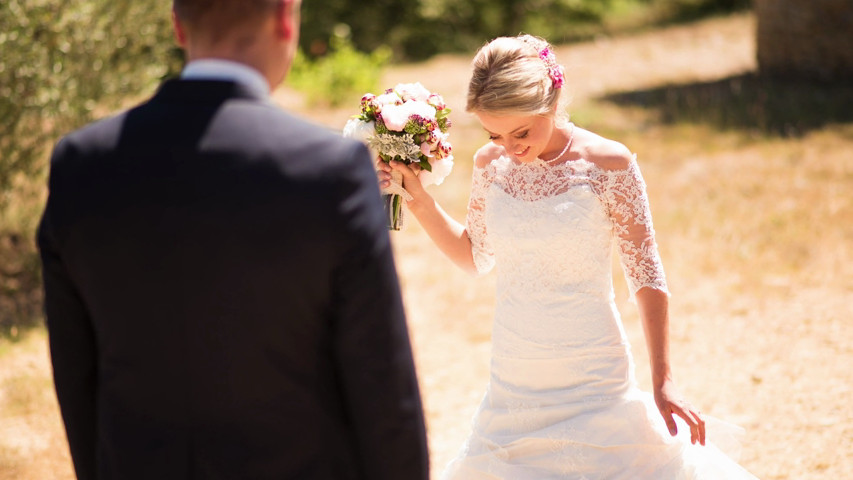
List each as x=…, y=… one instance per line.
x=373, y=23
x=478, y=21
x=62, y=64
x=418, y=29
x=688, y=10
x=62, y=61
x=421, y=28
x=341, y=75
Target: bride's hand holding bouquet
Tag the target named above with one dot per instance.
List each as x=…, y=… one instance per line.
x=406, y=127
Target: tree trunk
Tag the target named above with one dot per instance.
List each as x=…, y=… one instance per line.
x=805, y=38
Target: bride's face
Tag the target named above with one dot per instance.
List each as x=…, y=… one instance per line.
x=523, y=137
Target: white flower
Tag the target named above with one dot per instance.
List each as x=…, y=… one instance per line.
x=363, y=132
x=440, y=170
x=395, y=117
x=420, y=109
x=412, y=91
x=388, y=99
x=359, y=129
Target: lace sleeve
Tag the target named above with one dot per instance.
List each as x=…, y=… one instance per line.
x=624, y=195
x=475, y=222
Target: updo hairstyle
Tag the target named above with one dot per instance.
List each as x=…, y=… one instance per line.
x=510, y=78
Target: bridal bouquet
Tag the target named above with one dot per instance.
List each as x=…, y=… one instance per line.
x=408, y=124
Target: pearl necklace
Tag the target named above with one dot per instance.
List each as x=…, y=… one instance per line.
x=565, y=149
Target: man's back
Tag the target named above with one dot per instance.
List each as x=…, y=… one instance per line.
x=224, y=269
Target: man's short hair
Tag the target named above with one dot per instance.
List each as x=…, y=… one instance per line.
x=220, y=14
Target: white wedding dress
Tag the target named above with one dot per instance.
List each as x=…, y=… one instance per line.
x=562, y=401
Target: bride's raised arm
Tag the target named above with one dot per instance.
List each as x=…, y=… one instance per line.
x=448, y=235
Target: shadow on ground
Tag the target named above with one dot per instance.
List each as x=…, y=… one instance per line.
x=772, y=106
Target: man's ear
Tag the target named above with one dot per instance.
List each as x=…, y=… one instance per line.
x=287, y=19
x=178, y=27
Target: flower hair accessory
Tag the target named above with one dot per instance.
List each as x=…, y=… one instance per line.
x=555, y=70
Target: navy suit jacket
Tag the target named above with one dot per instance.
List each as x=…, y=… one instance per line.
x=221, y=298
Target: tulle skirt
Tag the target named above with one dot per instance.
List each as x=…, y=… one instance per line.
x=519, y=436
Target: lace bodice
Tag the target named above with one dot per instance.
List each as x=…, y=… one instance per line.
x=512, y=203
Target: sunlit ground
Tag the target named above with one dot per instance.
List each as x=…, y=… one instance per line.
x=755, y=230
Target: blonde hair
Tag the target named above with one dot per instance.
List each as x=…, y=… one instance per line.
x=510, y=78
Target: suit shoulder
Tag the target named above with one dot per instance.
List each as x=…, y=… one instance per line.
x=329, y=145
x=91, y=139
x=300, y=146
x=299, y=130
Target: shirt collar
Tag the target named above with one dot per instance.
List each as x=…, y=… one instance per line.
x=216, y=69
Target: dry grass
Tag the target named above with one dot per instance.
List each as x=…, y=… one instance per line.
x=32, y=441
x=756, y=232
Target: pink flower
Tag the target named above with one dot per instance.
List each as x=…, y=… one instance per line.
x=432, y=138
x=555, y=70
x=427, y=124
x=444, y=148
x=436, y=101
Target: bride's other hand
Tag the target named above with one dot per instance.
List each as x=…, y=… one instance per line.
x=670, y=402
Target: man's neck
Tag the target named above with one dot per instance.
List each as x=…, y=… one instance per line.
x=256, y=53
x=220, y=69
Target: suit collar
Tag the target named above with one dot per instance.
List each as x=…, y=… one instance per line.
x=206, y=91
x=217, y=69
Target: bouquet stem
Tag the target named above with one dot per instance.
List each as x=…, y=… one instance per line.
x=393, y=200
x=393, y=211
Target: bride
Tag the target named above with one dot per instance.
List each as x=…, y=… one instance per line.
x=548, y=199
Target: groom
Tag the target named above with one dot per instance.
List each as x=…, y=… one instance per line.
x=220, y=293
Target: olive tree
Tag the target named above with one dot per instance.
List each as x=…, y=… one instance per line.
x=63, y=63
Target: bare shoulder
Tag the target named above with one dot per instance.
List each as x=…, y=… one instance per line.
x=606, y=154
x=487, y=153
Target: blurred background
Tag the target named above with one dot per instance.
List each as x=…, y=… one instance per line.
x=740, y=112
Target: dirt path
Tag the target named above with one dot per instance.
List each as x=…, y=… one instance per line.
x=771, y=352
x=32, y=441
